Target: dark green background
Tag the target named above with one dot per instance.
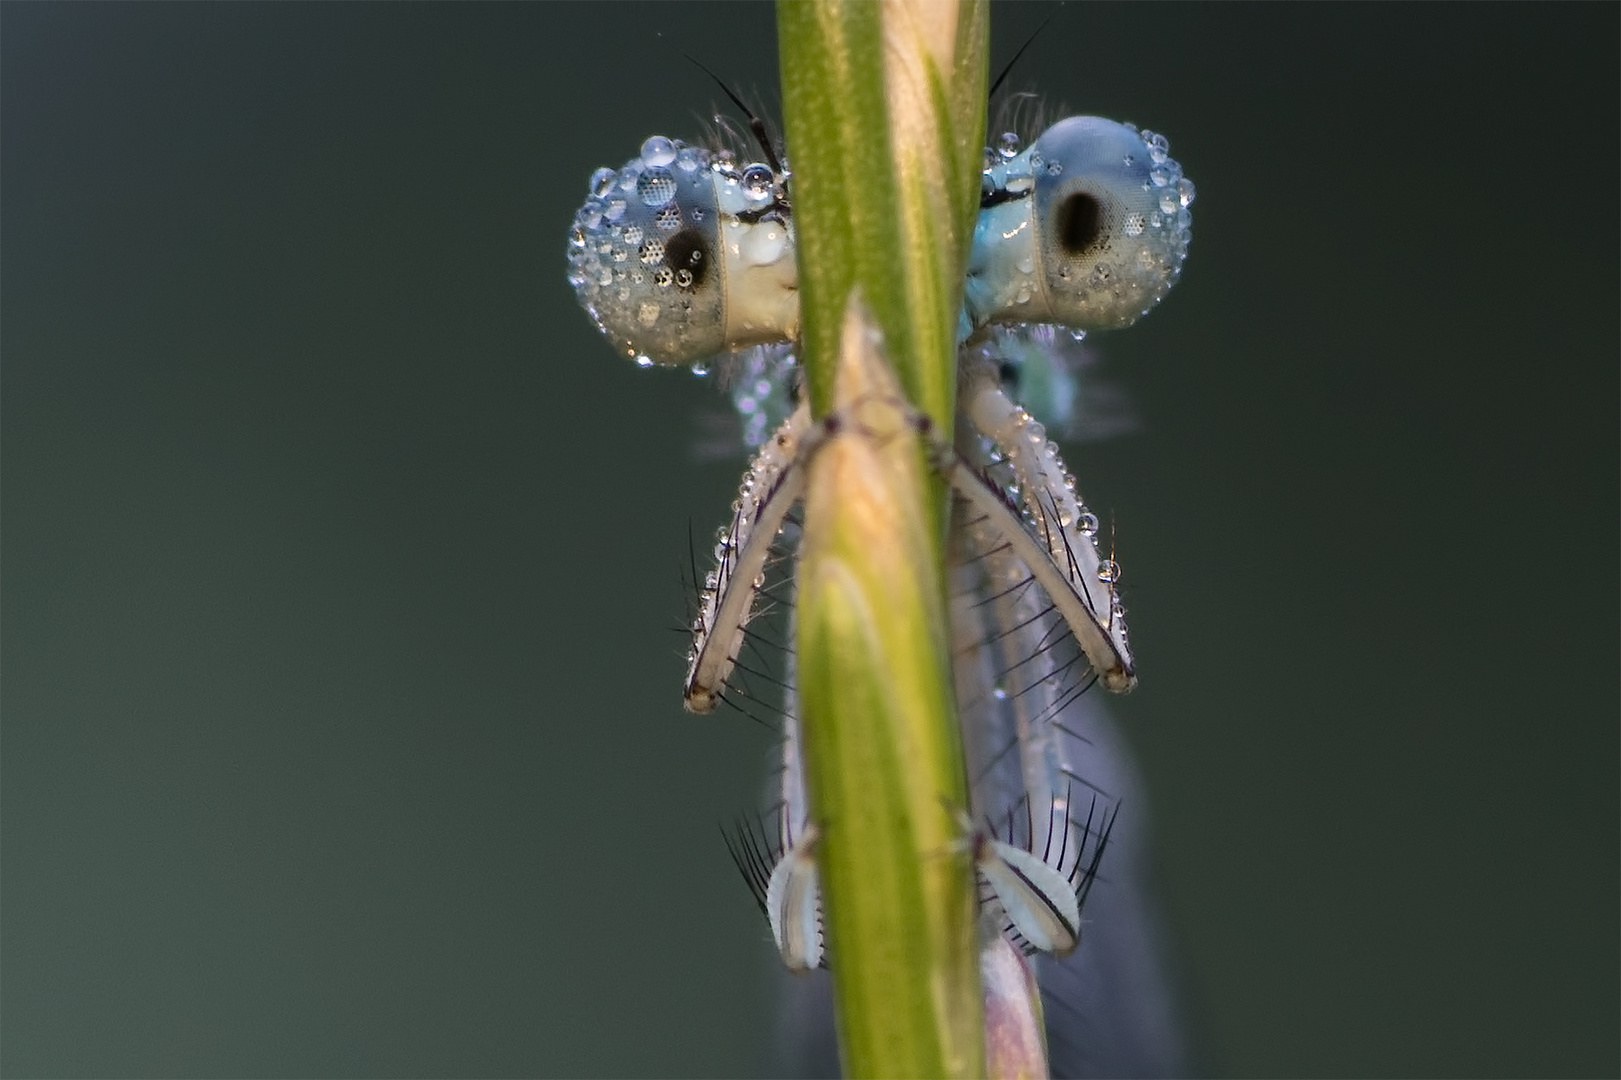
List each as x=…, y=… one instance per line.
x=342, y=731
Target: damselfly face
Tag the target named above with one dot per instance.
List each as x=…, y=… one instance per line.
x=683, y=255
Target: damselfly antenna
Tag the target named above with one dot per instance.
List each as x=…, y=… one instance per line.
x=1008, y=70
x=757, y=126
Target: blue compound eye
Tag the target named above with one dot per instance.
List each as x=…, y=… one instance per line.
x=1087, y=228
x=678, y=256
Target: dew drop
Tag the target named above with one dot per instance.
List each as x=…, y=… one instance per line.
x=690, y=159
x=757, y=183
x=655, y=187
x=657, y=152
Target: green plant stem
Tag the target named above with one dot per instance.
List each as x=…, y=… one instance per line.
x=884, y=110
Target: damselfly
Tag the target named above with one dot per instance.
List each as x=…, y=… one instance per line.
x=685, y=256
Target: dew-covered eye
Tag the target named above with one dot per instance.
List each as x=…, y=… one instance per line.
x=1087, y=228
x=640, y=255
x=677, y=258
x=1112, y=220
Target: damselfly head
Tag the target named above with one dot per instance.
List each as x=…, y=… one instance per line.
x=683, y=254
x=1087, y=227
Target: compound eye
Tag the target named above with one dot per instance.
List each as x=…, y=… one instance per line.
x=1008, y=373
x=1112, y=220
x=643, y=252
x=1079, y=224
x=689, y=256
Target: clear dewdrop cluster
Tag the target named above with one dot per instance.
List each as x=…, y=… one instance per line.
x=683, y=254
x=1087, y=227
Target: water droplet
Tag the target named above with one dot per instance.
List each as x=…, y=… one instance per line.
x=690, y=159
x=1159, y=176
x=602, y=181
x=1008, y=144
x=1108, y=570
x=1184, y=191
x=1027, y=265
x=656, y=187
x=614, y=210
x=589, y=216
x=699, y=368
x=1168, y=201
x=657, y=152
x=999, y=692
x=1088, y=523
x=643, y=360
x=757, y=183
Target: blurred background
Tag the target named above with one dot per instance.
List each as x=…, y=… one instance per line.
x=342, y=558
